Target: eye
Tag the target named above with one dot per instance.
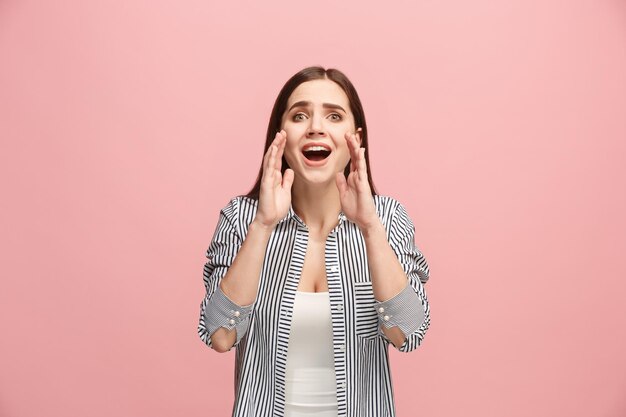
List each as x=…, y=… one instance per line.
x=337, y=116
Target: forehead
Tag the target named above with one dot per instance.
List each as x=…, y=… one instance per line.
x=318, y=92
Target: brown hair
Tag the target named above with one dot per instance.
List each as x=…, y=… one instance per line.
x=308, y=74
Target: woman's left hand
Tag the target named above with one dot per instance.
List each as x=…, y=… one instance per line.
x=355, y=193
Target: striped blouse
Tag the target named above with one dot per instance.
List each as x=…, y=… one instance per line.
x=360, y=347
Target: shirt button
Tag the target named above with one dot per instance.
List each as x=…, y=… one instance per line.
x=340, y=307
x=334, y=268
x=381, y=310
x=386, y=318
x=231, y=321
x=237, y=314
x=342, y=384
x=342, y=348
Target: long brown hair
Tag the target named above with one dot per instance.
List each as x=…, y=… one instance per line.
x=308, y=74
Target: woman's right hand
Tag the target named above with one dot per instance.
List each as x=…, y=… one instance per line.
x=275, y=192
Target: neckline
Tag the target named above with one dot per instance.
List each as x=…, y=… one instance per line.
x=312, y=292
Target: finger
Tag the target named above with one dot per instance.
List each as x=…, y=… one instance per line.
x=266, y=159
x=270, y=163
x=266, y=156
x=353, y=154
x=281, y=150
x=362, y=165
x=268, y=153
x=278, y=177
x=288, y=179
x=340, y=180
x=347, y=138
x=352, y=180
x=355, y=149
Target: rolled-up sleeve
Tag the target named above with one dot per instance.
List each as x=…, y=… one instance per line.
x=216, y=309
x=409, y=309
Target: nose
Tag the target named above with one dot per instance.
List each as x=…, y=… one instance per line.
x=315, y=127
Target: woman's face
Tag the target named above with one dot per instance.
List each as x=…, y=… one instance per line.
x=317, y=112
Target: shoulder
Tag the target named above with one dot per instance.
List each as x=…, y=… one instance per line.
x=383, y=200
x=239, y=204
x=386, y=207
x=240, y=211
x=386, y=203
x=394, y=214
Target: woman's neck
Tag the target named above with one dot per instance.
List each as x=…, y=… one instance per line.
x=317, y=206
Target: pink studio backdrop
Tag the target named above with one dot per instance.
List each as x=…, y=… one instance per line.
x=126, y=126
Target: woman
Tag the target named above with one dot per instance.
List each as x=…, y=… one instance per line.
x=312, y=274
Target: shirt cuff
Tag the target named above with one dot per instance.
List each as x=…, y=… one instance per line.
x=404, y=310
x=221, y=311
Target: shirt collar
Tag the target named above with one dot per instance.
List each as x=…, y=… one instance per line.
x=291, y=215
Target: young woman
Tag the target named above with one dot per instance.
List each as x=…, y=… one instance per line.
x=312, y=274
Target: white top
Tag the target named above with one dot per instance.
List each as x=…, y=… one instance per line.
x=310, y=374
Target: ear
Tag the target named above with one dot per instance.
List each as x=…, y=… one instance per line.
x=358, y=133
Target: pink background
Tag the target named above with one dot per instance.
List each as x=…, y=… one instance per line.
x=127, y=125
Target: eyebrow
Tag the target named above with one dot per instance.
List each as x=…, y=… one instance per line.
x=325, y=105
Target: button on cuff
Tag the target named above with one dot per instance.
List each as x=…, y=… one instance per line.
x=221, y=298
x=223, y=312
x=404, y=310
x=241, y=328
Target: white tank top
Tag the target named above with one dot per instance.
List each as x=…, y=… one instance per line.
x=310, y=374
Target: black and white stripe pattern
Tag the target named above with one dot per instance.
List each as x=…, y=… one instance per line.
x=360, y=347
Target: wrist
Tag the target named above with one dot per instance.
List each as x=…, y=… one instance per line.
x=261, y=227
x=373, y=228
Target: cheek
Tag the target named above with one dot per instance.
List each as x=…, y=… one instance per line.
x=343, y=150
x=342, y=155
x=290, y=152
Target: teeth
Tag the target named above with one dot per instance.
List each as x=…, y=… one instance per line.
x=315, y=148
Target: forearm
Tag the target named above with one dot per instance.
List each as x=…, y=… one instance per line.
x=387, y=275
x=240, y=285
x=241, y=282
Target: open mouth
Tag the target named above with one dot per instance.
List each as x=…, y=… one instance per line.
x=316, y=152
x=317, y=155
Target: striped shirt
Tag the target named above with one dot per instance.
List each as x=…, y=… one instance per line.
x=360, y=347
